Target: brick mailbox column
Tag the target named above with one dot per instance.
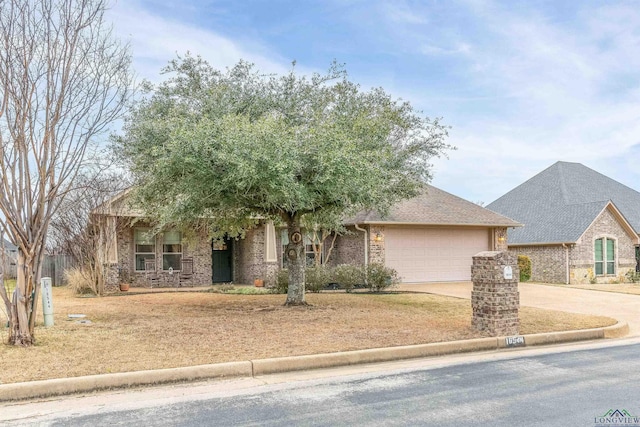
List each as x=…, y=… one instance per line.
x=495, y=298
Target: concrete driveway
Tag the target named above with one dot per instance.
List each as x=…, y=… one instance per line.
x=623, y=307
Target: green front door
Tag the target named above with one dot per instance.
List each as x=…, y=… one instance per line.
x=222, y=260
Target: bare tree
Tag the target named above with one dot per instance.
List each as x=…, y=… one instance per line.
x=83, y=231
x=63, y=80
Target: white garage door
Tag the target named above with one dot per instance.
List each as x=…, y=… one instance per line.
x=433, y=254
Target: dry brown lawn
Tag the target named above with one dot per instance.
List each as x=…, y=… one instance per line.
x=162, y=330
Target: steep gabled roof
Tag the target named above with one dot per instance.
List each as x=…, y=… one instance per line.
x=561, y=202
x=118, y=205
x=436, y=207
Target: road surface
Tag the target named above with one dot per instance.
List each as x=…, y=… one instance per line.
x=572, y=385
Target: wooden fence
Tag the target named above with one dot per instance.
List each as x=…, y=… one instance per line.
x=9, y=267
x=54, y=266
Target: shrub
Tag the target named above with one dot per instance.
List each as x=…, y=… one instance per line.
x=79, y=282
x=380, y=277
x=348, y=276
x=632, y=276
x=316, y=278
x=281, y=282
x=524, y=264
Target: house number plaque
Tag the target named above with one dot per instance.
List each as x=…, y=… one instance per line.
x=296, y=237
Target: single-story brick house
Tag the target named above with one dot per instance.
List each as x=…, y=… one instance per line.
x=429, y=238
x=579, y=225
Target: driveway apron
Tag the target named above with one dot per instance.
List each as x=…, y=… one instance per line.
x=623, y=307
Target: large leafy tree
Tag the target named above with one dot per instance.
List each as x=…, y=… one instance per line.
x=236, y=145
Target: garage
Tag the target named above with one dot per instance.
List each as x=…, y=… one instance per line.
x=434, y=254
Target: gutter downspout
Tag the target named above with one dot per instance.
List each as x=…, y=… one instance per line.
x=366, y=244
x=566, y=262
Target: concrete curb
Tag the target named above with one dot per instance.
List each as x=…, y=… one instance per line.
x=60, y=386
x=253, y=368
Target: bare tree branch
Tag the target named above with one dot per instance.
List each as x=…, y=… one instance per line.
x=63, y=80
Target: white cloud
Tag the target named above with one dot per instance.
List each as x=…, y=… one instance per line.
x=558, y=78
x=402, y=13
x=156, y=40
x=457, y=49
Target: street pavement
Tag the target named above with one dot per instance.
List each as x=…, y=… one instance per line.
x=585, y=384
x=623, y=307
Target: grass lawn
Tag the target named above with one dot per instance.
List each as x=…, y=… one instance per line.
x=10, y=285
x=162, y=330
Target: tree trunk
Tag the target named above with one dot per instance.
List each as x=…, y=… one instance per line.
x=296, y=261
x=20, y=333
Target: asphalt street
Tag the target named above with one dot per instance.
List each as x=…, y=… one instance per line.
x=576, y=387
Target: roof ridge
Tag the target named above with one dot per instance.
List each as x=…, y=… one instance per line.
x=563, y=183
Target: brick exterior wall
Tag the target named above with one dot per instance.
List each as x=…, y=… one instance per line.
x=495, y=299
x=249, y=257
x=349, y=248
x=548, y=263
x=198, y=247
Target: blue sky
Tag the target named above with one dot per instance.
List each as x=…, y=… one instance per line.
x=522, y=84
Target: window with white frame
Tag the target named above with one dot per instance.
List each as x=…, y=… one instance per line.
x=172, y=250
x=145, y=246
x=605, y=256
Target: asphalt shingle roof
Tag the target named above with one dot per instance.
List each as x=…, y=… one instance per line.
x=436, y=207
x=558, y=204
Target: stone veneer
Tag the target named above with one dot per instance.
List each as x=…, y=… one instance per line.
x=500, y=239
x=376, y=247
x=495, y=300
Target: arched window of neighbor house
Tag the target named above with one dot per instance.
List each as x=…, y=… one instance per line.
x=605, y=256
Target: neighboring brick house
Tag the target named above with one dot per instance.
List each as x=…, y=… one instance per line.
x=426, y=239
x=579, y=225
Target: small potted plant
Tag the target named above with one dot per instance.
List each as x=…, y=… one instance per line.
x=125, y=279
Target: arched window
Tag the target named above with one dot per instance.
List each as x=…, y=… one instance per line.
x=605, y=256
